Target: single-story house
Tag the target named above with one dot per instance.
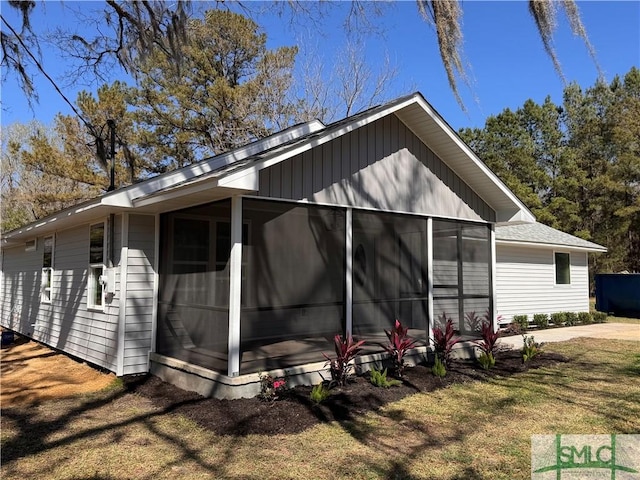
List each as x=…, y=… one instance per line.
x=252, y=260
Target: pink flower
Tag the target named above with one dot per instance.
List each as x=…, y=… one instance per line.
x=278, y=383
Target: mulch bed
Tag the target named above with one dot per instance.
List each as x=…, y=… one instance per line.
x=294, y=412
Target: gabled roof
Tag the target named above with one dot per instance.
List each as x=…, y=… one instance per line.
x=537, y=234
x=237, y=171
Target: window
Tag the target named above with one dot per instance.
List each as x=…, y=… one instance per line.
x=30, y=245
x=563, y=268
x=95, y=293
x=47, y=270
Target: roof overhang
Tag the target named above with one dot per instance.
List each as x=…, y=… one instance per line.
x=237, y=172
x=554, y=246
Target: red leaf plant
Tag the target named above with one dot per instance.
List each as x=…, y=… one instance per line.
x=444, y=341
x=489, y=343
x=399, y=343
x=346, y=350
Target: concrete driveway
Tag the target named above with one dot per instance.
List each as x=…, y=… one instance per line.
x=619, y=331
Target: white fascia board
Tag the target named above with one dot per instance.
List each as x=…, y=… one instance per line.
x=175, y=192
x=237, y=179
x=556, y=246
x=526, y=213
x=60, y=218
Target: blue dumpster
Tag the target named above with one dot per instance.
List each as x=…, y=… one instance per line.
x=7, y=338
x=618, y=294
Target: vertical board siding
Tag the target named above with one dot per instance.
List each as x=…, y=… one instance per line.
x=65, y=323
x=140, y=285
x=382, y=165
x=525, y=282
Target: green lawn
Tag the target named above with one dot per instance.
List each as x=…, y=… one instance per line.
x=469, y=431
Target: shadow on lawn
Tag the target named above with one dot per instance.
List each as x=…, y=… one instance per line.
x=292, y=414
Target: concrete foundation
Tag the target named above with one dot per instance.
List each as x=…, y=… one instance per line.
x=209, y=383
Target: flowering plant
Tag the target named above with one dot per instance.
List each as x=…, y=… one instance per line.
x=271, y=388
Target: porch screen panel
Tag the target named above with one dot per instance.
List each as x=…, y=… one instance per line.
x=293, y=293
x=193, y=313
x=461, y=274
x=389, y=276
x=476, y=270
x=446, y=273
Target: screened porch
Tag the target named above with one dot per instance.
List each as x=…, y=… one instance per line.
x=249, y=284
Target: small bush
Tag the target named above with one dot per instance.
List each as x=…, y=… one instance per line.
x=379, y=379
x=319, y=393
x=512, y=329
x=541, y=320
x=346, y=350
x=571, y=318
x=530, y=348
x=444, y=341
x=438, y=369
x=473, y=320
x=399, y=343
x=599, y=317
x=489, y=343
x=522, y=321
x=271, y=388
x=487, y=360
x=558, y=319
x=585, y=318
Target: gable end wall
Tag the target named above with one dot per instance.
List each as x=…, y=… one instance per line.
x=382, y=165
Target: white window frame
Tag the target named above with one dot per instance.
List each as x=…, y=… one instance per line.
x=555, y=269
x=95, y=272
x=46, y=292
x=31, y=245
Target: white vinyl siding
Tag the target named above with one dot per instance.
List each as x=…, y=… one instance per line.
x=140, y=294
x=525, y=282
x=66, y=323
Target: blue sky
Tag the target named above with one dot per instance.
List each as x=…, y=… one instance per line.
x=507, y=62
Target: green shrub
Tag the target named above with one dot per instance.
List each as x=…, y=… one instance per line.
x=599, y=317
x=522, y=321
x=438, y=368
x=541, y=320
x=379, y=379
x=530, y=348
x=487, y=360
x=558, y=319
x=585, y=318
x=319, y=393
x=571, y=318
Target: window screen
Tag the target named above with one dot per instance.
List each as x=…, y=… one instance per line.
x=390, y=275
x=293, y=293
x=193, y=315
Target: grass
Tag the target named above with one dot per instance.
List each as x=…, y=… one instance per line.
x=471, y=431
